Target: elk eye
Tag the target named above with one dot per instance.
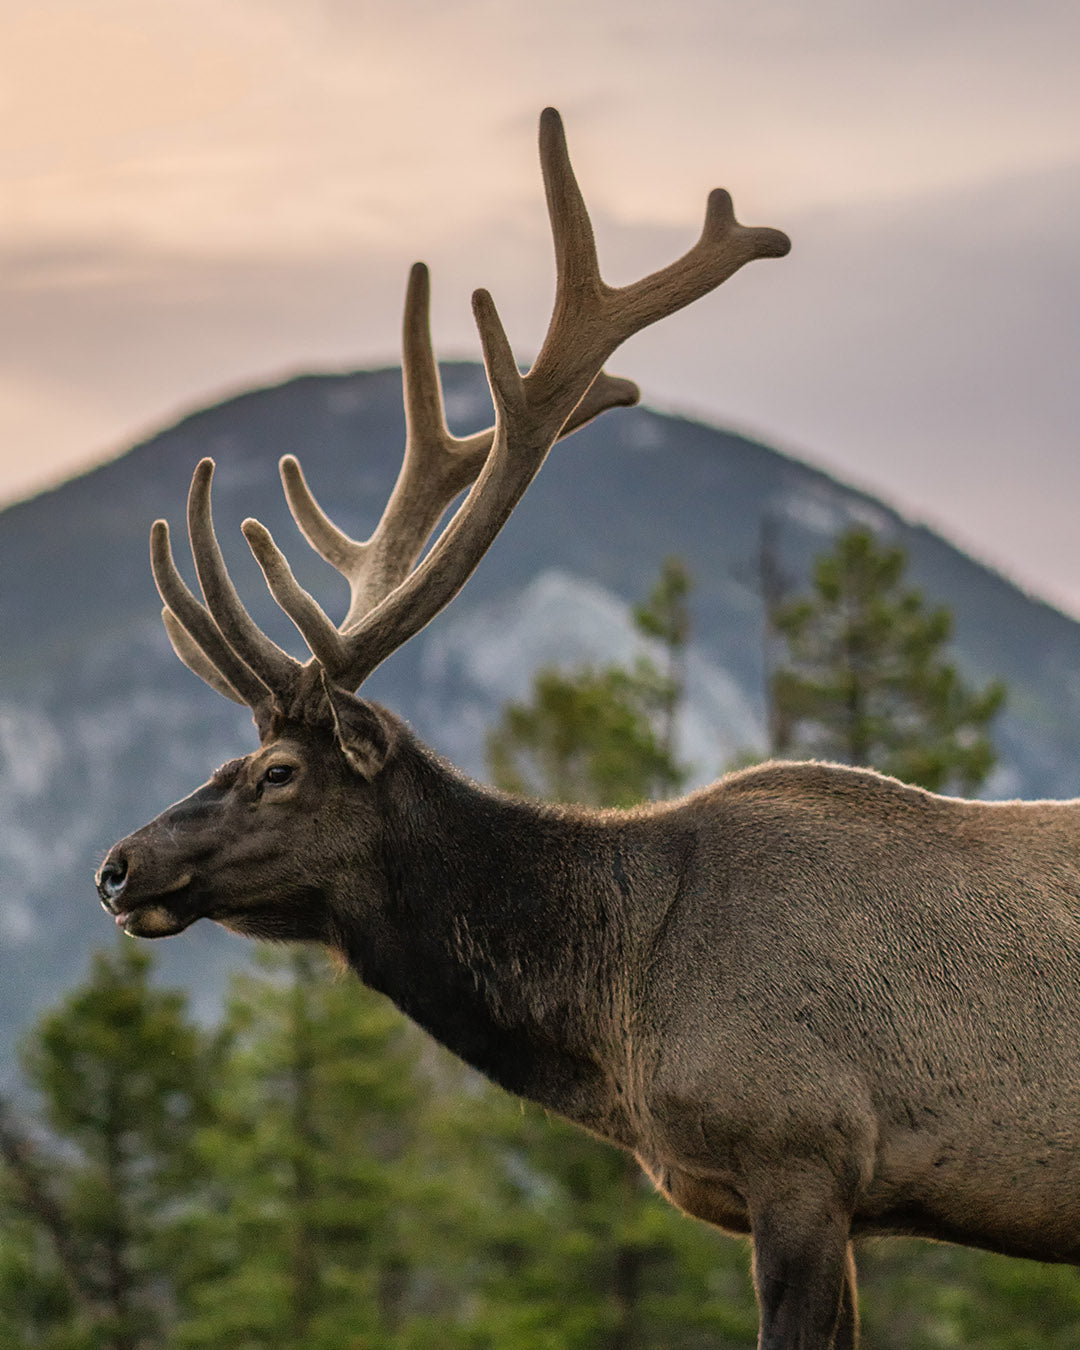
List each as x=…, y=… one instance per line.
x=278, y=774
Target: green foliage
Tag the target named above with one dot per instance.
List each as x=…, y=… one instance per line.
x=665, y=617
x=665, y=614
x=587, y=737
x=100, y=1182
x=924, y=1296
x=36, y=1306
x=310, y=1165
x=576, y=1251
x=603, y=737
x=865, y=681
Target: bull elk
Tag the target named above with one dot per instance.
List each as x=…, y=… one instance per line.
x=813, y=1002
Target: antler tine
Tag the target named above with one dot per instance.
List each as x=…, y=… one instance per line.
x=328, y=541
x=577, y=268
x=605, y=392
x=589, y=320
x=201, y=638
x=724, y=246
x=317, y=630
x=275, y=668
x=436, y=466
x=196, y=660
x=428, y=441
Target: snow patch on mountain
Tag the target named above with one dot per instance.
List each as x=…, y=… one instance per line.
x=490, y=654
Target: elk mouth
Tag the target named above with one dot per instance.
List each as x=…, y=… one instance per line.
x=163, y=914
x=153, y=919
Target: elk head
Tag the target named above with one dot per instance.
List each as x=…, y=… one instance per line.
x=242, y=848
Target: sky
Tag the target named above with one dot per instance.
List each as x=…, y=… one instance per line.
x=199, y=196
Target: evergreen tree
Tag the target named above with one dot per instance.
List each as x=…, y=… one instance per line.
x=573, y=1250
x=587, y=737
x=316, y=1166
x=665, y=617
x=603, y=737
x=866, y=682
x=99, y=1184
x=44, y=1300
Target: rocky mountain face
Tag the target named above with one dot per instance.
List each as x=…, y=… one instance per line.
x=101, y=727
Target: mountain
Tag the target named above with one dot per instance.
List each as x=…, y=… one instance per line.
x=101, y=727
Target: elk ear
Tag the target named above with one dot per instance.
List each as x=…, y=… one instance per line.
x=361, y=733
x=268, y=718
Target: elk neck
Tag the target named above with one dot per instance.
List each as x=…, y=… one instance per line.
x=512, y=931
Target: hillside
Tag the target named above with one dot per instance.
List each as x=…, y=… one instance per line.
x=100, y=726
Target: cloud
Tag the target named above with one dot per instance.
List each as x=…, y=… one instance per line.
x=925, y=350
x=261, y=128
x=205, y=195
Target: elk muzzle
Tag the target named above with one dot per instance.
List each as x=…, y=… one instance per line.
x=140, y=905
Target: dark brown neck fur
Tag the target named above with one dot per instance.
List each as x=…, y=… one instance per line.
x=508, y=929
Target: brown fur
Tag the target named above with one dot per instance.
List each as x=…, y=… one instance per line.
x=814, y=1002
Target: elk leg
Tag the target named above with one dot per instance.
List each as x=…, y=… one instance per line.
x=804, y=1275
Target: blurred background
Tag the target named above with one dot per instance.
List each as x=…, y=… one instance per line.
x=208, y=214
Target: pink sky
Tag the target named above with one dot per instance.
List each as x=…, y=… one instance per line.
x=201, y=195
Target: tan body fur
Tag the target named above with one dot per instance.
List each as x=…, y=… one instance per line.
x=893, y=973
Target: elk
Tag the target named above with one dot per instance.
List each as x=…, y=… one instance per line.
x=813, y=1002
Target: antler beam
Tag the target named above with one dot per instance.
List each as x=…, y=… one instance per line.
x=437, y=466
x=392, y=597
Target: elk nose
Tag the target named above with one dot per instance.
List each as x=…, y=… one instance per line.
x=112, y=880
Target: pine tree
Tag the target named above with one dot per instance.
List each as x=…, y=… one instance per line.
x=572, y=1249
x=44, y=1299
x=586, y=737
x=99, y=1183
x=315, y=1167
x=665, y=617
x=865, y=681
x=603, y=736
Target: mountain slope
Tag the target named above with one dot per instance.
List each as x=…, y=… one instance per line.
x=100, y=726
